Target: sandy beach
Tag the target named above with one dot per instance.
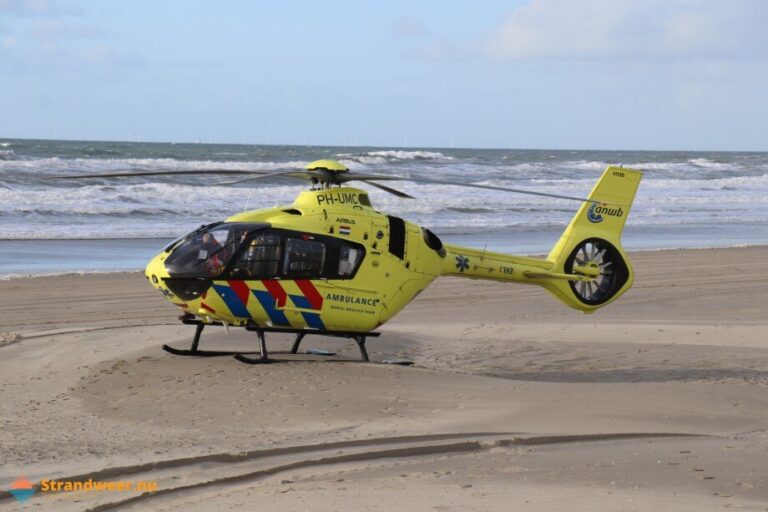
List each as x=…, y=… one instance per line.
x=657, y=402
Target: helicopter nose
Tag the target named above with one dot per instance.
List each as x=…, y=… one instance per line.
x=155, y=271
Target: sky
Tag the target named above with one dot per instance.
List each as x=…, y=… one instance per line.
x=557, y=74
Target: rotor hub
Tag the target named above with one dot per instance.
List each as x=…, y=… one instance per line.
x=326, y=172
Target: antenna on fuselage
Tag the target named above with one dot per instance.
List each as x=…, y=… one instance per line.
x=247, y=199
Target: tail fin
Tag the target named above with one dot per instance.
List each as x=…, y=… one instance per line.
x=591, y=244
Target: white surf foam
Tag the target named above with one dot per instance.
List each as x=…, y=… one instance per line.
x=54, y=165
x=410, y=155
x=9, y=277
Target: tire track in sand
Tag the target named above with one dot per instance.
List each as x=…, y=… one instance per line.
x=189, y=475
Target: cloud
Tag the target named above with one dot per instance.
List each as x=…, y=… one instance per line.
x=408, y=26
x=41, y=36
x=36, y=8
x=634, y=29
x=624, y=30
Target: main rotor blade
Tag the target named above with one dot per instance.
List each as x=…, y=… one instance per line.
x=370, y=178
x=288, y=174
x=154, y=173
x=388, y=189
x=505, y=189
x=362, y=177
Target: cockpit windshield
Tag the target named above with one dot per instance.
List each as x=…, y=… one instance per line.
x=208, y=251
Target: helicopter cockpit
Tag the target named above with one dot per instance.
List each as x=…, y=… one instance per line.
x=236, y=250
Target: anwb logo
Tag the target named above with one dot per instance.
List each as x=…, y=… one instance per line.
x=596, y=212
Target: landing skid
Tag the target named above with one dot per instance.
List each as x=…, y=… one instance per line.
x=359, y=339
x=263, y=354
x=202, y=353
x=194, y=351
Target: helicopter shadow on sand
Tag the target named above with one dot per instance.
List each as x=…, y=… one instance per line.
x=598, y=362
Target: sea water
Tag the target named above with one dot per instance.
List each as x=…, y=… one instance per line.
x=686, y=199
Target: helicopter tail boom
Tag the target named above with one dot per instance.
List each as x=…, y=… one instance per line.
x=587, y=268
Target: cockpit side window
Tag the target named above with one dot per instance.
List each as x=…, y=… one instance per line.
x=348, y=259
x=303, y=258
x=259, y=258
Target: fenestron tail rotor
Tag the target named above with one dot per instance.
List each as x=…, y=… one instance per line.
x=602, y=262
x=320, y=173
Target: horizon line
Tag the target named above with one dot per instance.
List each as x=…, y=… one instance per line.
x=481, y=148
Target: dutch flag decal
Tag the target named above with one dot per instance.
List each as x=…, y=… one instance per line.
x=344, y=230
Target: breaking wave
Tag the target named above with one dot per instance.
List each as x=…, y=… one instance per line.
x=679, y=189
x=410, y=155
x=55, y=165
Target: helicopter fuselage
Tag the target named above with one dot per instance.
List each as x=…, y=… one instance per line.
x=329, y=261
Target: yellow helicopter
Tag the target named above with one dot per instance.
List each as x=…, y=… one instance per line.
x=330, y=264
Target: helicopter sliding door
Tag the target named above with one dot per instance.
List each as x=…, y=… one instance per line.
x=283, y=254
x=304, y=259
x=259, y=258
